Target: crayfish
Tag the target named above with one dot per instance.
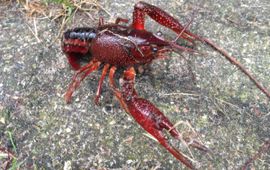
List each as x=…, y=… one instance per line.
x=118, y=45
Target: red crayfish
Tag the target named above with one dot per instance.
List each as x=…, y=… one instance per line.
x=117, y=45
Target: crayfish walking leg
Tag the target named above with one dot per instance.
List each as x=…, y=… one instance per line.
x=149, y=117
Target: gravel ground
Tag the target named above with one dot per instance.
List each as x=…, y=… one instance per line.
x=230, y=114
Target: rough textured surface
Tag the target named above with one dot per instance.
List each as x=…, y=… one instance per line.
x=230, y=114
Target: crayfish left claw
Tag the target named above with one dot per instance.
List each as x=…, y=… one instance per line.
x=149, y=117
x=152, y=120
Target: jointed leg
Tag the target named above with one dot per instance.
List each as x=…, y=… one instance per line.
x=118, y=20
x=100, y=21
x=117, y=93
x=111, y=78
x=104, y=72
x=79, y=77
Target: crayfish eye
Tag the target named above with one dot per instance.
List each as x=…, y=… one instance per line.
x=128, y=98
x=154, y=48
x=159, y=34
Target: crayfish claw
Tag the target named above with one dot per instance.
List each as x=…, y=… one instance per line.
x=150, y=118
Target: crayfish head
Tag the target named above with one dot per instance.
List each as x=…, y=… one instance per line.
x=76, y=45
x=78, y=40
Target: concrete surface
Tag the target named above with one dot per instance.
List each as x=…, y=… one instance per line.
x=223, y=106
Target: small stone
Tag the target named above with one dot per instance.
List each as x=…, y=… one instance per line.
x=112, y=122
x=68, y=130
x=2, y=120
x=67, y=165
x=129, y=161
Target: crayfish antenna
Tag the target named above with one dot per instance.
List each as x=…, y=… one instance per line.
x=177, y=48
x=234, y=61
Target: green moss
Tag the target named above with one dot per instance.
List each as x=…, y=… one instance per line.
x=202, y=121
x=244, y=96
x=5, y=115
x=62, y=2
x=67, y=4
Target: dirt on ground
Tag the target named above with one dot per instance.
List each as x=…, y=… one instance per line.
x=38, y=130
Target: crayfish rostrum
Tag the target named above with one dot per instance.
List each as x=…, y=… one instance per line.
x=120, y=45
